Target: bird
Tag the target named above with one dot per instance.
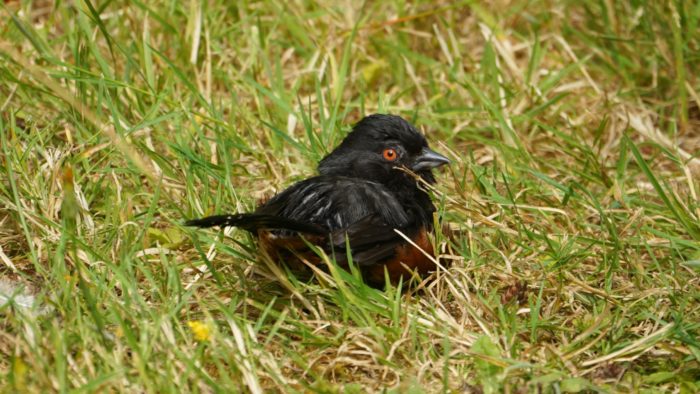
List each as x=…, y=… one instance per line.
x=366, y=197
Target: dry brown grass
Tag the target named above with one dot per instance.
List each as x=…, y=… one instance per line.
x=574, y=131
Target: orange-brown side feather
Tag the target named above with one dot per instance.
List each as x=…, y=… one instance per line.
x=408, y=259
x=291, y=249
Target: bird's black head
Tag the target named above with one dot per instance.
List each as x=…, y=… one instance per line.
x=377, y=146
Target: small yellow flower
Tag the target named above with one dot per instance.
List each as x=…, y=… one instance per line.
x=200, y=119
x=200, y=330
x=19, y=370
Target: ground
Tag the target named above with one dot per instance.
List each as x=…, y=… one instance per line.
x=574, y=255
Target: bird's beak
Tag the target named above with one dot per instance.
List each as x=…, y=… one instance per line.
x=428, y=159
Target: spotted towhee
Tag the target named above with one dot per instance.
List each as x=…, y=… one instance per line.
x=363, y=198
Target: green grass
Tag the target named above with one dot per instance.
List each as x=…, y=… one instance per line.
x=574, y=130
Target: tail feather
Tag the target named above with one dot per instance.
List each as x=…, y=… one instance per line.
x=255, y=221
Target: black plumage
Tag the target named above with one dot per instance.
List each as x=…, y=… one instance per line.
x=362, y=193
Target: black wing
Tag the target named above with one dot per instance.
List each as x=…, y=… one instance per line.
x=360, y=213
x=335, y=203
x=370, y=239
x=363, y=212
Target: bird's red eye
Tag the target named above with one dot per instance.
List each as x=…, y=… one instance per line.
x=390, y=154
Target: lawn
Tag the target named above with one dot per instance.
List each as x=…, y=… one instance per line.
x=573, y=260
